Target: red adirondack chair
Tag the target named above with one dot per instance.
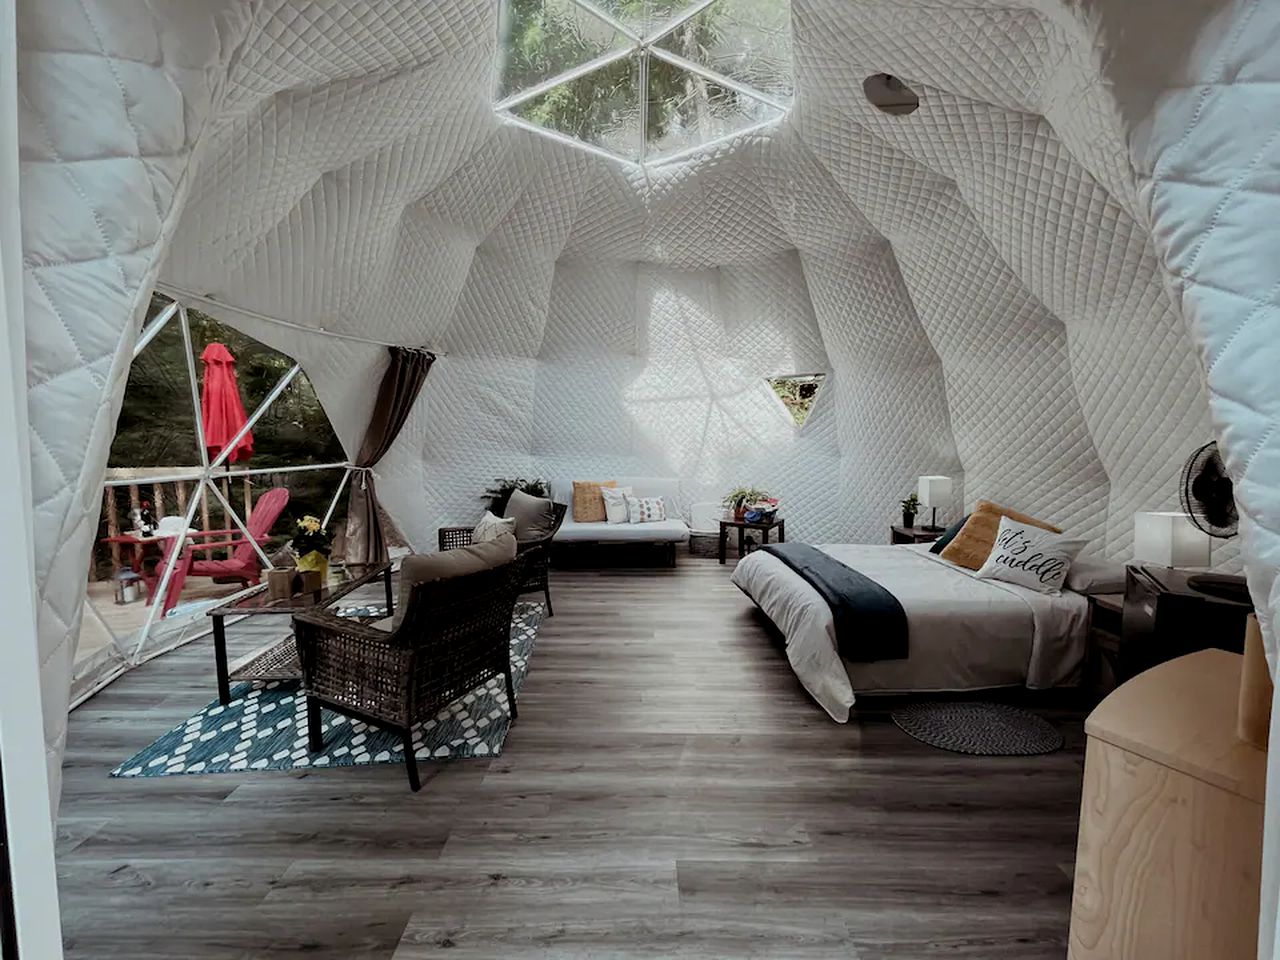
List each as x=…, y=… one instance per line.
x=244, y=566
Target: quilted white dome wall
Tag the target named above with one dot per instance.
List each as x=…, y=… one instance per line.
x=987, y=306
x=112, y=100
x=978, y=278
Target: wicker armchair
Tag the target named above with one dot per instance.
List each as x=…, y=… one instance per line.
x=537, y=573
x=455, y=635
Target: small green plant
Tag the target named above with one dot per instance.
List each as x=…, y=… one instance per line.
x=911, y=504
x=499, y=492
x=738, y=496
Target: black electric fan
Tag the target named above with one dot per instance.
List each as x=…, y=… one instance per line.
x=1208, y=500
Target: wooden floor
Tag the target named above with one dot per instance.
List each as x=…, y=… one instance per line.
x=668, y=791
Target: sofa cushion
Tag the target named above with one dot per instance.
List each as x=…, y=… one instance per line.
x=535, y=517
x=588, y=499
x=972, y=545
x=671, y=530
x=668, y=488
x=615, y=503
x=447, y=564
x=646, y=509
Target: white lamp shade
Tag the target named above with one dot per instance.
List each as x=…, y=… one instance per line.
x=1170, y=539
x=934, y=491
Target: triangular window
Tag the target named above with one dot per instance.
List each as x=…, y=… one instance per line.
x=798, y=393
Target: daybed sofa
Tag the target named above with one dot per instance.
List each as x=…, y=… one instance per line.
x=663, y=533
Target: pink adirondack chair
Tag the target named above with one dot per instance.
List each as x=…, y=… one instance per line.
x=244, y=566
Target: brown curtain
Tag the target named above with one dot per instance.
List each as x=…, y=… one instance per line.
x=399, y=389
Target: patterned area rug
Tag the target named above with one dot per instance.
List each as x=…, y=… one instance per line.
x=978, y=728
x=264, y=727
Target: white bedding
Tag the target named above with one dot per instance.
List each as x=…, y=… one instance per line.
x=964, y=633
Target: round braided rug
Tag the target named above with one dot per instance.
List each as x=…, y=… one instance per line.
x=982, y=729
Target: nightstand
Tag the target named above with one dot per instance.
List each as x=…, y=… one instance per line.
x=1106, y=615
x=901, y=534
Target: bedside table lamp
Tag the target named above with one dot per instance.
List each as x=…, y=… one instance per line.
x=934, y=492
x=1168, y=538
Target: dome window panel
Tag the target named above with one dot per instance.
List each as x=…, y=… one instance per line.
x=798, y=393
x=644, y=81
x=748, y=41
x=540, y=40
x=600, y=108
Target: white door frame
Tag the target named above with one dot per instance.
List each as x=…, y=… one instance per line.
x=22, y=752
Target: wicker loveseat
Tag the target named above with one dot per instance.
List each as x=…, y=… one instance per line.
x=455, y=635
x=539, y=553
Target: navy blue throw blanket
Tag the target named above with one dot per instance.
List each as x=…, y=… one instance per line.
x=870, y=622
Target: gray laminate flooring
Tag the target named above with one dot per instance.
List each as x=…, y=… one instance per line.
x=668, y=791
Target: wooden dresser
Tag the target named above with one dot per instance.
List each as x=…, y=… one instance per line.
x=1170, y=848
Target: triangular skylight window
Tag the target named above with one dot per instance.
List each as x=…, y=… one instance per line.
x=798, y=393
x=581, y=69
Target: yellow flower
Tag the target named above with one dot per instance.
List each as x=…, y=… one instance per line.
x=309, y=524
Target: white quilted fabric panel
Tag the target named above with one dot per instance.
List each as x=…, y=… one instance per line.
x=114, y=95
x=983, y=281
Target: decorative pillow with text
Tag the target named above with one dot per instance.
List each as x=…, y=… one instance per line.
x=1030, y=556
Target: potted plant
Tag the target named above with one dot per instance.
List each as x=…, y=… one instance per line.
x=910, y=507
x=738, y=498
x=499, y=492
x=311, y=546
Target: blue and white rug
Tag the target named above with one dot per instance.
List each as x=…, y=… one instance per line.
x=264, y=727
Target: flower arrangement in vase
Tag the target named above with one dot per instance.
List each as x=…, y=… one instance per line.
x=311, y=546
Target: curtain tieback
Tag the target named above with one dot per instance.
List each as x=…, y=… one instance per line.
x=365, y=474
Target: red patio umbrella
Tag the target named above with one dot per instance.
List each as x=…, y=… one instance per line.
x=221, y=409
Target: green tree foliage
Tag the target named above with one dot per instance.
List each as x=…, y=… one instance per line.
x=156, y=426
x=545, y=39
x=798, y=394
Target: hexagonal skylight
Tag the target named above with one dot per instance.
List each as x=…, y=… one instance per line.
x=645, y=81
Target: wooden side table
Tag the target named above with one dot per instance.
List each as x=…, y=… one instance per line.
x=743, y=526
x=900, y=534
x=1170, y=851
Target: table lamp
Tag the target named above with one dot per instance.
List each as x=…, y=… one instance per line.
x=1169, y=538
x=934, y=492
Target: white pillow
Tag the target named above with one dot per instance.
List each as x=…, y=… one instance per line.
x=1030, y=557
x=646, y=509
x=615, y=503
x=1094, y=576
x=491, y=527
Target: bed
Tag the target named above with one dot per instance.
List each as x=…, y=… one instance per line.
x=964, y=633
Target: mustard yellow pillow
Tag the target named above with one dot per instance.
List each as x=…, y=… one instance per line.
x=976, y=538
x=588, y=501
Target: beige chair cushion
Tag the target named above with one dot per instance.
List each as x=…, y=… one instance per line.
x=972, y=545
x=535, y=517
x=447, y=564
x=588, y=501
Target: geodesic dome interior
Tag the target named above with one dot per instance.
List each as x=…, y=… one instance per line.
x=979, y=279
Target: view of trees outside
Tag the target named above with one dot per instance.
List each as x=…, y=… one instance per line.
x=746, y=40
x=798, y=394
x=156, y=427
